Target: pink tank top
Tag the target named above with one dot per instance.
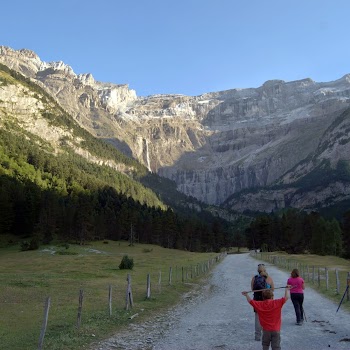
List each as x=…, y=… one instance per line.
x=297, y=283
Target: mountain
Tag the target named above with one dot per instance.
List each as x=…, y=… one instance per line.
x=254, y=149
x=59, y=182
x=319, y=182
x=30, y=116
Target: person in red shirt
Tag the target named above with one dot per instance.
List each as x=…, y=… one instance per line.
x=270, y=316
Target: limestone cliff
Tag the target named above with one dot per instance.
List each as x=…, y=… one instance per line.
x=214, y=145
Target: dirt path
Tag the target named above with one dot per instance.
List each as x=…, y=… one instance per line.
x=219, y=317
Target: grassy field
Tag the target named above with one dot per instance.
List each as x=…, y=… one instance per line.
x=313, y=270
x=28, y=278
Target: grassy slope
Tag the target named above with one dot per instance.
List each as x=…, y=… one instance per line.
x=28, y=278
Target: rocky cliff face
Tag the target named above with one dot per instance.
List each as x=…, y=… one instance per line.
x=213, y=145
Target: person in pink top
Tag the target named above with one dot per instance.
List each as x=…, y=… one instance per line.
x=297, y=295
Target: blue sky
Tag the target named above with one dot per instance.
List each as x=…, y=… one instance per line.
x=185, y=46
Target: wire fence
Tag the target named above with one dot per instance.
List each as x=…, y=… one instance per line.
x=35, y=309
x=332, y=281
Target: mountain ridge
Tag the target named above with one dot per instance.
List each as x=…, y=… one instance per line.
x=214, y=145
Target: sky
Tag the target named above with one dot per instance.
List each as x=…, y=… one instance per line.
x=185, y=47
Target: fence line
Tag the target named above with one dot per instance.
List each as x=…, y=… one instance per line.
x=322, y=276
x=188, y=272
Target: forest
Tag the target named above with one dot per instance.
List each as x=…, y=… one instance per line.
x=296, y=232
x=45, y=198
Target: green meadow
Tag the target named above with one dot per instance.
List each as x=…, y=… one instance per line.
x=28, y=278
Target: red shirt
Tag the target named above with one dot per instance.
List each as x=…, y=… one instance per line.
x=269, y=312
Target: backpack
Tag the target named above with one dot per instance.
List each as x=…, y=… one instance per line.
x=259, y=283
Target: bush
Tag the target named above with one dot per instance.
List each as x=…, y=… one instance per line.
x=64, y=252
x=24, y=246
x=32, y=245
x=126, y=263
x=64, y=245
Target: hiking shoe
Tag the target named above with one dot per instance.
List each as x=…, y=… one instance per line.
x=299, y=323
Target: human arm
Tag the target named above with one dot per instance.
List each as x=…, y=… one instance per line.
x=269, y=280
x=247, y=296
x=252, y=283
x=286, y=292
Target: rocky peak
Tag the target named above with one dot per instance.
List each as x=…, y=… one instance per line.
x=66, y=85
x=86, y=79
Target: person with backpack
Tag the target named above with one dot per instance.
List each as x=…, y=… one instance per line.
x=297, y=295
x=260, y=281
x=270, y=315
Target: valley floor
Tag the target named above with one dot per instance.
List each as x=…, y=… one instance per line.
x=217, y=316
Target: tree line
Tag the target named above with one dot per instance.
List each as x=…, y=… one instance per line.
x=45, y=198
x=298, y=232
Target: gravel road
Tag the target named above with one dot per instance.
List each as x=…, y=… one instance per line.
x=217, y=316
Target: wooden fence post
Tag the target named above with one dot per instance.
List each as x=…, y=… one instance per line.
x=308, y=273
x=327, y=281
x=170, y=275
x=348, y=284
x=160, y=281
x=319, y=277
x=129, y=299
x=182, y=279
x=337, y=281
x=148, y=295
x=110, y=300
x=313, y=274
x=80, y=307
x=44, y=325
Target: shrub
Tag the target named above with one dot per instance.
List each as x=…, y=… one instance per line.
x=64, y=245
x=147, y=250
x=126, y=263
x=64, y=252
x=24, y=246
x=32, y=245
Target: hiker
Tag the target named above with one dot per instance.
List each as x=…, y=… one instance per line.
x=260, y=281
x=270, y=316
x=297, y=295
